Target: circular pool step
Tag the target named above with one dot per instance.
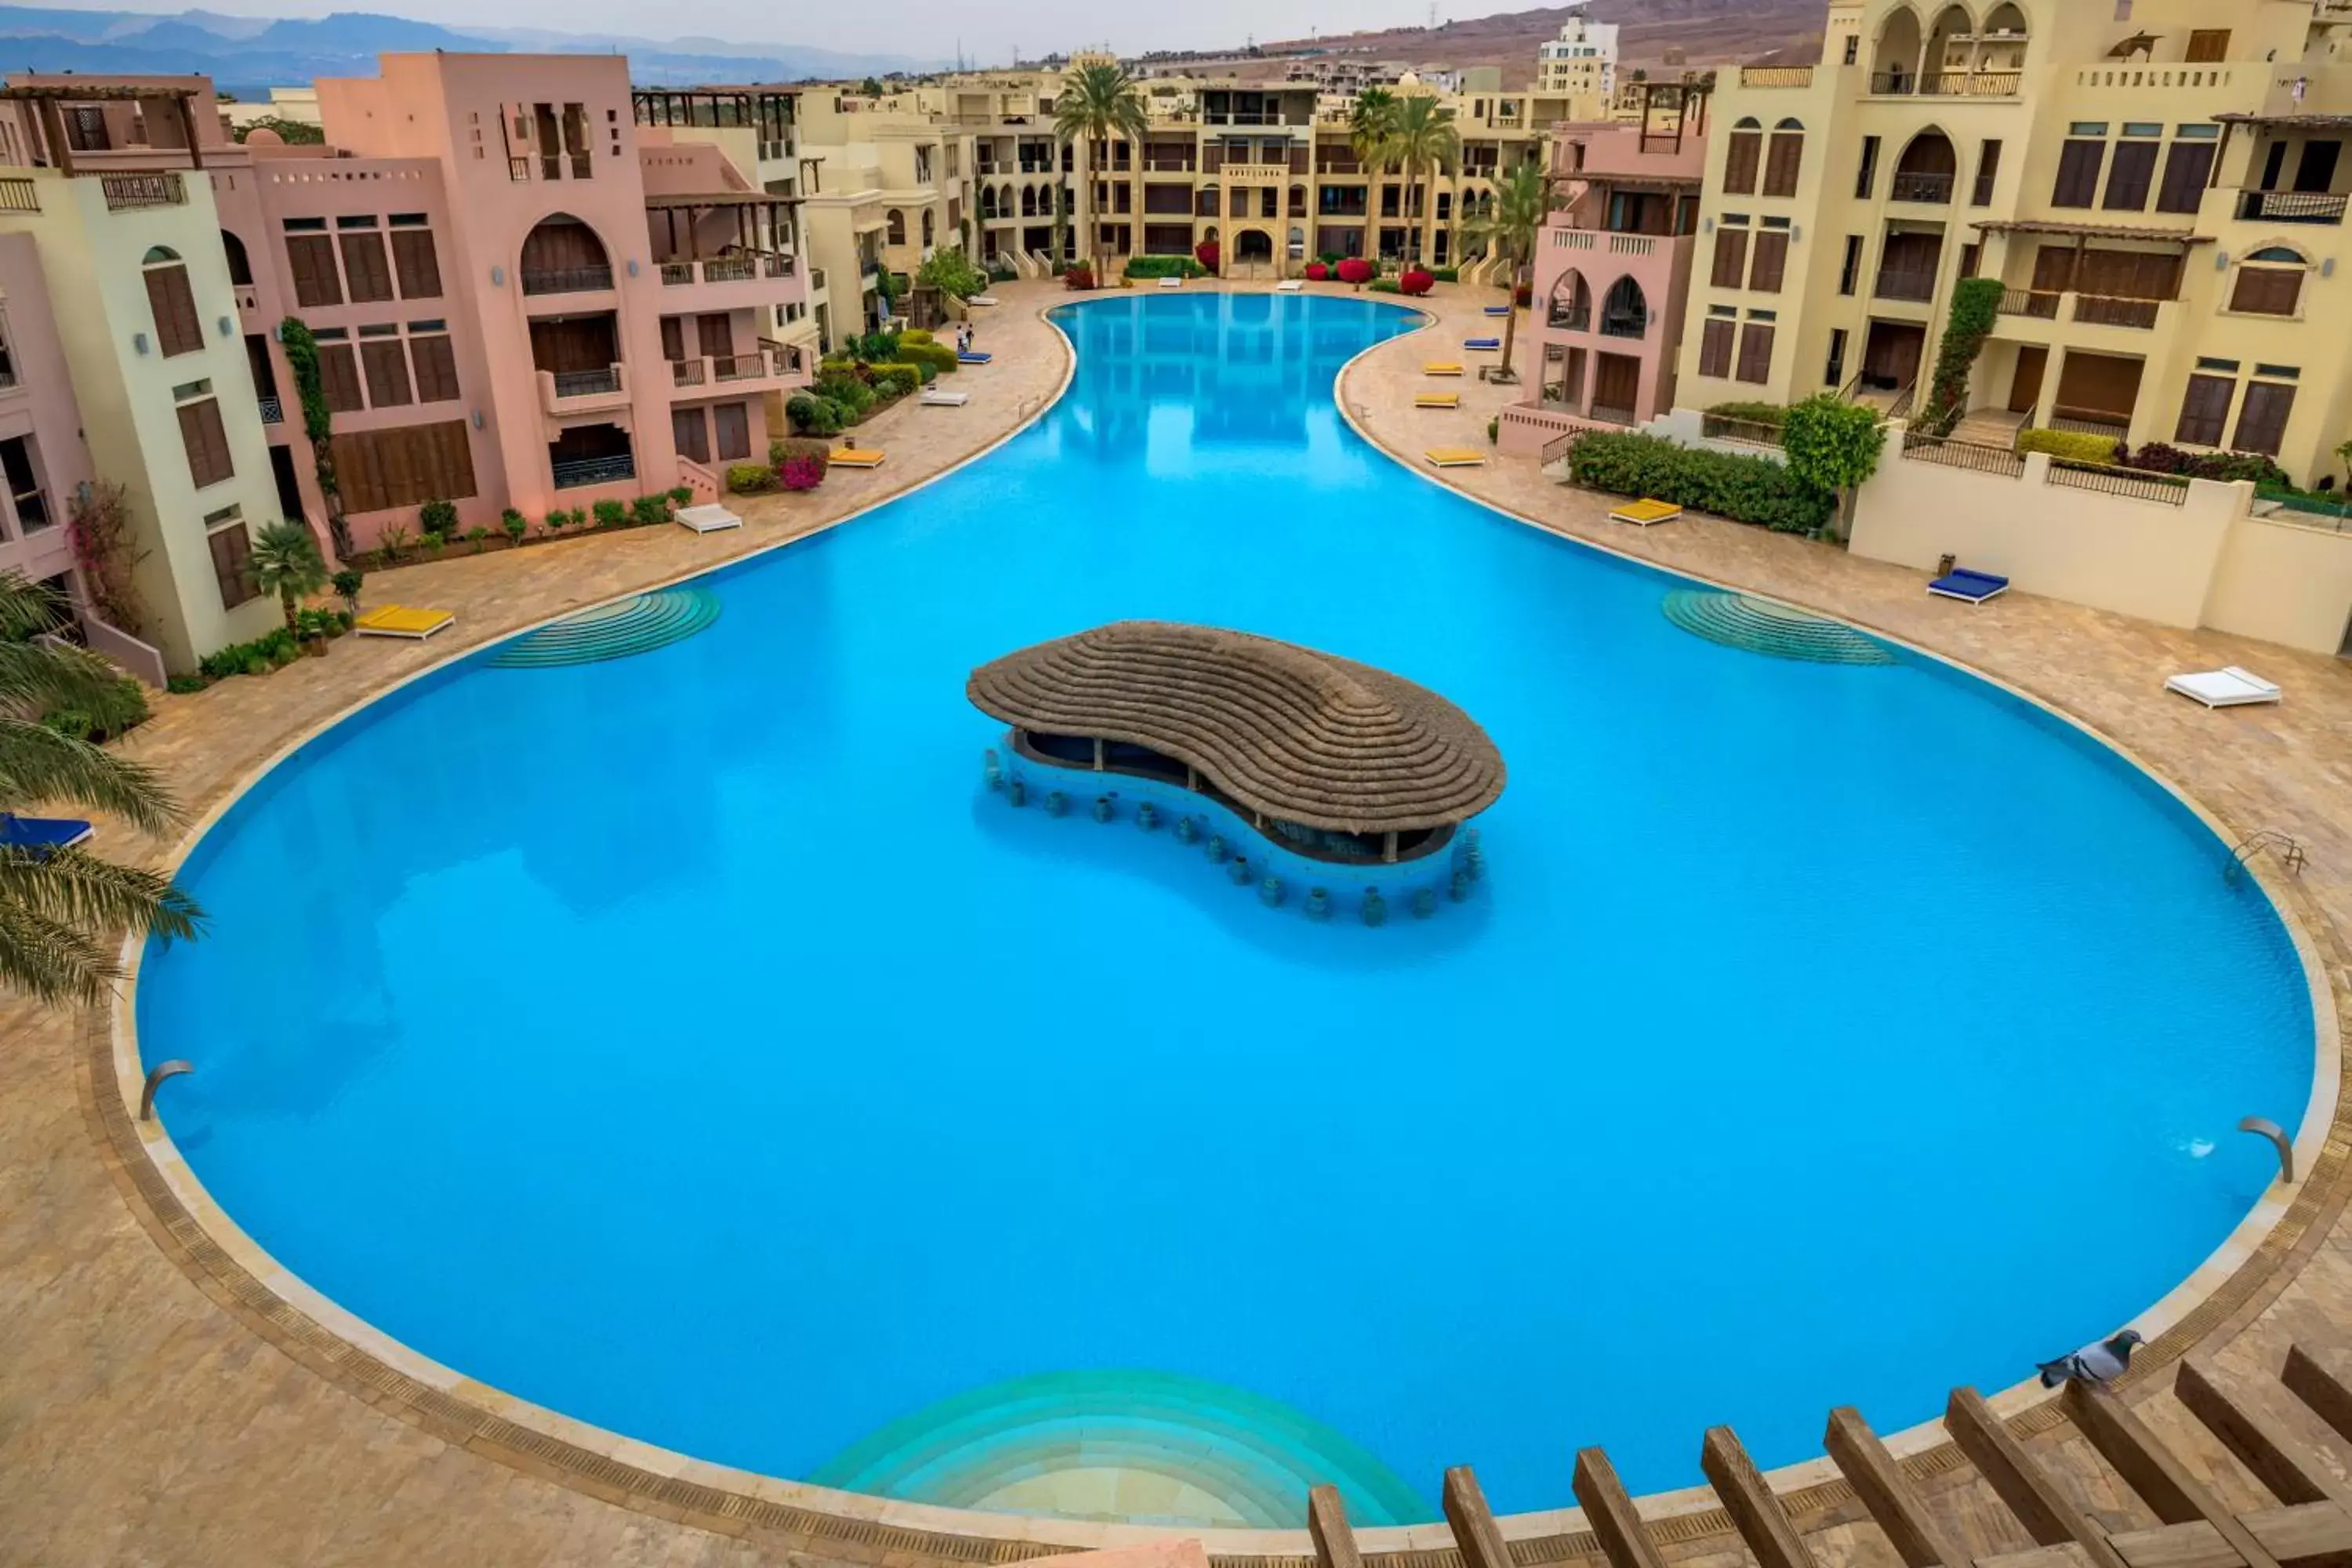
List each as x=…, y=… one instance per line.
x=639, y=623
x=1759, y=625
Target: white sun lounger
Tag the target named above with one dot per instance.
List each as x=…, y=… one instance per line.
x=933, y=397
x=982, y=299
x=708, y=519
x=2226, y=688
x=1290, y=285
x=1172, y=282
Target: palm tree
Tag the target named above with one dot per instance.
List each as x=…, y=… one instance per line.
x=1098, y=101
x=60, y=909
x=1506, y=227
x=1422, y=140
x=286, y=561
x=1369, y=121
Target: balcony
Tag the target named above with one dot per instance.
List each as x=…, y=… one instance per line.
x=162, y=189
x=775, y=363
x=2108, y=310
x=2291, y=207
x=273, y=412
x=1934, y=190
x=1625, y=324
x=18, y=194
x=580, y=473
x=1915, y=284
x=2038, y=305
x=816, y=279
x=566, y=279
x=1776, y=75
x=568, y=394
x=1570, y=318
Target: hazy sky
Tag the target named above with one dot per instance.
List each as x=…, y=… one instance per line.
x=919, y=27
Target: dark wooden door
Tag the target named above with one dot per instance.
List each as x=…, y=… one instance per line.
x=1892, y=357
x=2099, y=384
x=1617, y=383
x=2025, y=387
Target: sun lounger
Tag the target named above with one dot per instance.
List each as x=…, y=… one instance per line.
x=939, y=398
x=708, y=519
x=973, y=356
x=982, y=299
x=1441, y=367
x=1499, y=310
x=403, y=621
x=1969, y=587
x=1288, y=286
x=1455, y=456
x=1172, y=282
x=1482, y=345
x=2226, y=688
x=858, y=457
x=41, y=835
x=1437, y=400
x=1644, y=512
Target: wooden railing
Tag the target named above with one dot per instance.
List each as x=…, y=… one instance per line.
x=2108, y=310
x=20, y=196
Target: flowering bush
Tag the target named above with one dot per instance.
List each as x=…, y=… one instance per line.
x=1206, y=253
x=1082, y=276
x=1316, y=272
x=800, y=473
x=1415, y=281
x=1522, y=295
x=1355, y=269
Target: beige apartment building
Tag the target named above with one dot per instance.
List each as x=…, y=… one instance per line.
x=2158, y=184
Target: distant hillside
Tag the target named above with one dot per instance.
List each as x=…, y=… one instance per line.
x=1705, y=32
x=248, y=54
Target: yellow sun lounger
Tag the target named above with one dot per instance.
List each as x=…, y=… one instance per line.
x=1437, y=400
x=856, y=458
x=403, y=621
x=1456, y=457
x=1645, y=512
x=1442, y=367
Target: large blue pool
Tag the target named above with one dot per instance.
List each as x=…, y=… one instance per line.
x=691, y=1044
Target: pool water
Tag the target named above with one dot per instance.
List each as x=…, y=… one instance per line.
x=692, y=1044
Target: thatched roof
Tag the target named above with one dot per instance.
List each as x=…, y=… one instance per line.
x=1284, y=730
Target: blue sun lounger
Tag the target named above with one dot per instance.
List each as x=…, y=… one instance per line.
x=973, y=356
x=42, y=834
x=1481, y=343
x=1499, y=310
x=1970, y=587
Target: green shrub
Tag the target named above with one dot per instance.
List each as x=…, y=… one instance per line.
x=253, y=664
x=186, y=685
x=475, y=535
x=432, y=540
x=437, y=517
x=1446, y=274
x=813, y=416
x=646, y=511
x=750, y=478
x=514, y=524
x=1773, y=413
x=1383, y=286
x=1164, y=267
x=1833, y=445
x=2071, y=444
x=938, y=357
x=555, y=521
x=902, y=379
x=610, y=513
x=125, y=707
x=346, y=583
x=1744, y=489
x=682, y=496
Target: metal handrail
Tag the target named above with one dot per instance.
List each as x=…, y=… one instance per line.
x=2288, y=848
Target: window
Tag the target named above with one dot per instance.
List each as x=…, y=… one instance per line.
x=1715, y=348
x=339, y=378
x=1853, y=47
x=1867, y=176
x=2262, y=417
x=1833, y=374
x=232, y=552
x=1746, y=147
x=310, y=260
x=2130, y=177
x=405, y=466
x=1784, y=158
x=691, y=433
x=240, y=265
x=896, y=226
x=2272, y=288
x=413, y=261
x=436, y=368
x=1755, y=352
x=1988, y=171
x=1850, y=270
x=2205, y=411
x=177, y=329
x=207, y=442
x=731, y=426
x=1730, y=257
x=367, y=273
x=2078, y=173
x=1770, y=262
x=2206, y=45
x=387, y=372
x=2187, y=168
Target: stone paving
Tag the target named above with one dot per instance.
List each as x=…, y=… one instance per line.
x=142, y=1422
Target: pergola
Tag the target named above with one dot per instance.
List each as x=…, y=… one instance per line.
x=768, y=110
x=48, y=98
x=745, y=205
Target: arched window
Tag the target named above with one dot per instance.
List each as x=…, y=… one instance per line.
x=2006, y=18
x=240, y=268
x=897, y=233
x=1926, y=170
x=178, y=329
x=1945, y=65
x=929, y=217
x=1624, y=310
x=2269, y=283
x=1298, y=201
x=1743, y=151
x=1895, y=61
x=561, y=254
x=1784, y=158
x=1571, y=303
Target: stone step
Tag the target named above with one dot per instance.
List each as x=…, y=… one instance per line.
x=1757, y=626
x=638, y=623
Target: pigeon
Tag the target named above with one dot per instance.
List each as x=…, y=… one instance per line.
x=2096, y=1365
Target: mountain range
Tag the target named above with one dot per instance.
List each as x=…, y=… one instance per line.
x=248, y=54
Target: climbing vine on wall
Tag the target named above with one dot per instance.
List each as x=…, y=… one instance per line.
x=97, y=528
x=1975, y=304
x=317, y=423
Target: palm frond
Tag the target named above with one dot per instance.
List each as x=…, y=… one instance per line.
x=37, y=765
x=52, y=963
x=70, y=888
x=28, y=608
x=35, y=677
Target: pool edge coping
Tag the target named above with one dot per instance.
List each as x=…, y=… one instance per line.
x=2239, y=1275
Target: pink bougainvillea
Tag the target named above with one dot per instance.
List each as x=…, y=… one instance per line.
x=1316, y=272
x=1415, y=281
x=1355, y=269
x=800, y=473
x=1082, y=276
x=1206, y=253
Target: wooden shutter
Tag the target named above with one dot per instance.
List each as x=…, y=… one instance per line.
x=2205, y=411
x=734, y=427
x=2130, y=175
x=366, y=271
x=1988, y=171
x=691, y=434
x=1715, y=348
x=673, y=330
x=2267, y=290
x=232, y=552
x=2099, y=384
x=2185, y=169
x=1755, y=352
x=177, y=330
x=2206, y=45
x=437, y=369
x=310, y=257
x=453, y=464
x=2078, y=173
x=206, y=441
x=419, y=269
x=387, y=372
x=1782, y=160
x=1739, y=163
x=1771, y=261
x=339, y=378
x=404, y=466
x=2262, y=417
x=717, y=334
x=1730, y=257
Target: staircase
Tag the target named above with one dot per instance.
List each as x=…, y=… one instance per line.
x=1989, y=428
x=639, y=623
x=1757, y=626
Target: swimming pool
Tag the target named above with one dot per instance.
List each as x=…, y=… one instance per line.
x=691, y=1043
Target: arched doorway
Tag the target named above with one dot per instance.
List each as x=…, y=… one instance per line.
x=1252, y=245
x=1624, y=309
x=561, y=254
x=1571, y=302
x=1926, y=170
x=1894, y=63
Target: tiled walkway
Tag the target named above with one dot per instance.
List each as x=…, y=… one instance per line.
x=141, y=1423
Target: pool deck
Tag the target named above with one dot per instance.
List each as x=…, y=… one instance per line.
x=146, y=1415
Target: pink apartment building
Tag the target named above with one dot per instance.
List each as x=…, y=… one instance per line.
x=43, y=458
x=521, y=296
x=1613, y=268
